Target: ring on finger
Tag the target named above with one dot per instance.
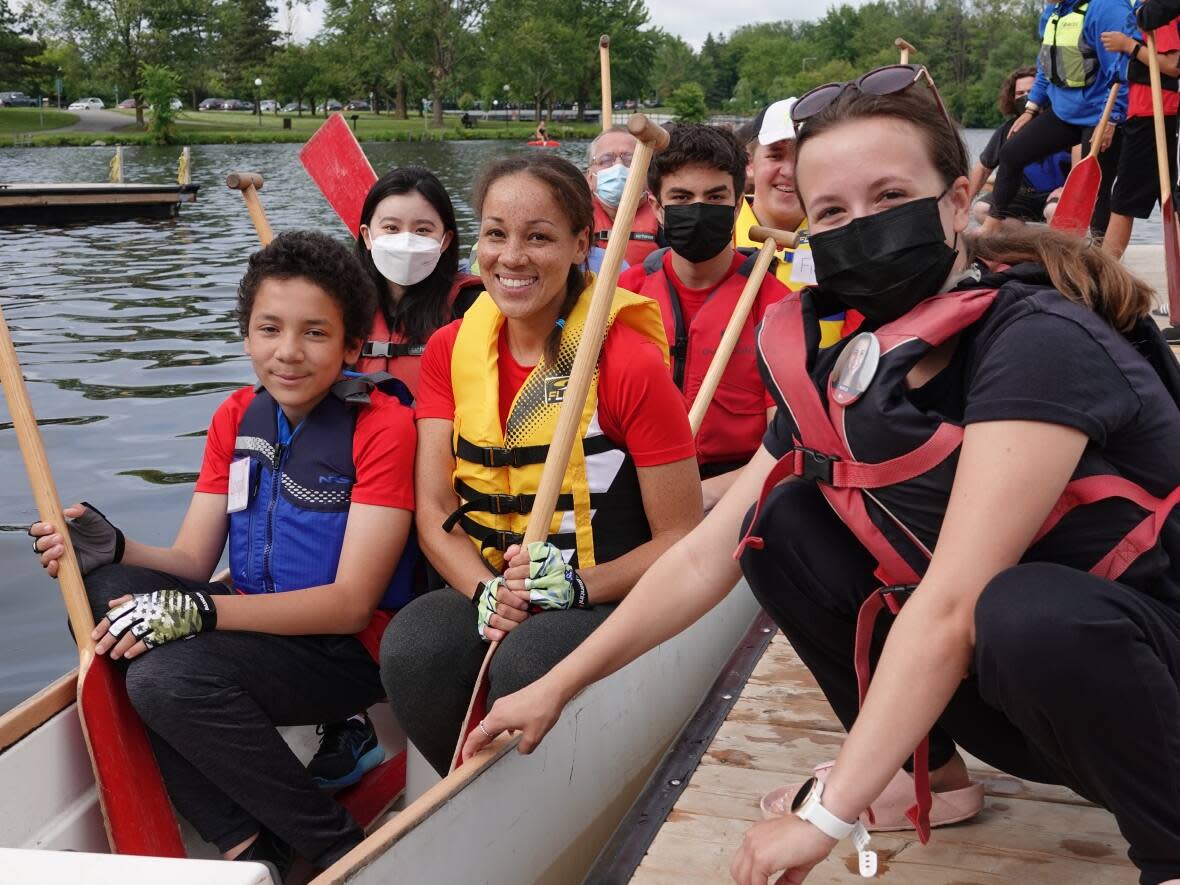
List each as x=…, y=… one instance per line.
x=35, y=540
x=487, y=733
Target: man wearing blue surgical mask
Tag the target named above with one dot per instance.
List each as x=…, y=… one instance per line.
x=609, y=162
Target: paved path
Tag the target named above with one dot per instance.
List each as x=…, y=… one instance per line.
x=96, y=121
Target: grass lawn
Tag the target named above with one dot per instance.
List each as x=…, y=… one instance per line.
x=32, y=119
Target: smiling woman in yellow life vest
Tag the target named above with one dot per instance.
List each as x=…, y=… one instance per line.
x=992, y=459
x=491, y=388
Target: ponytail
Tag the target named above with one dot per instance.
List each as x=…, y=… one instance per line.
x=575, y=284
x=1077, y=267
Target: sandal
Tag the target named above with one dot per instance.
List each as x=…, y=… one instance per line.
x=890, y=807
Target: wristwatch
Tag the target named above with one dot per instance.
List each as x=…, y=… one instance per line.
x=807, y=805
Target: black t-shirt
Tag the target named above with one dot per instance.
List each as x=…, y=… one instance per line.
x=990, y=157
x=1045, y=358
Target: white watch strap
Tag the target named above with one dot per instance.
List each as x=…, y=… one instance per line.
x=823, y=820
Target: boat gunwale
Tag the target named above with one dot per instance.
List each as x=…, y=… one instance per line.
x=30, y=714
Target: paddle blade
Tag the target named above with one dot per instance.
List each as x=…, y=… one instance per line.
x=1078, y=198
x=1172, y=259
x=135, y=806
x=372, y=796
x=334, y=160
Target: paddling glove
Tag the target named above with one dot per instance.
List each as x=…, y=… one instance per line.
x=552, y=582
x=485, y=604
x=164, y=616
x=96, y=541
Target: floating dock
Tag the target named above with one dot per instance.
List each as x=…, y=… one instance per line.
x=69, y=203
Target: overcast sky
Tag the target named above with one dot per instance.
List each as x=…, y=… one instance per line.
x=689, y=19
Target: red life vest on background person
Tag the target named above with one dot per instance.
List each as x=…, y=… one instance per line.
x=886, y=466
x=735, y=422
x=643, y=231
x=387, y=351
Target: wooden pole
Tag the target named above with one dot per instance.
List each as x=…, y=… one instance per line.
x=249, y=183
x=905, y=48
x=604, y=66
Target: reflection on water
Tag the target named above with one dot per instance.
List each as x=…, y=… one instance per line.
x=138, y=316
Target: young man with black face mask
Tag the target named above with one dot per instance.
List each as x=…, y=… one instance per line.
x=694, y=188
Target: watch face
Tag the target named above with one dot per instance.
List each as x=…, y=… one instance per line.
x=801, y=796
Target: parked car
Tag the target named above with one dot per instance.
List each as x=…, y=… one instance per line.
x=294, y=107
x=16, y=100
x=267, y=105
x=235, y=104
x=87, y=104
x=333, y=105
x=175, y=104
x=357, y=104
x=210, y=104
x=126, y=103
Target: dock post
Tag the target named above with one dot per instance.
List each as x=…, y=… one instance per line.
x=117, y=166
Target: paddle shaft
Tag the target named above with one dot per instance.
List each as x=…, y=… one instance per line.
x=1100, y=129
x=905, y=48
x=604, y=66
x=733, y=331
x=1167, y=210
x=649, y=138
x=249, y=183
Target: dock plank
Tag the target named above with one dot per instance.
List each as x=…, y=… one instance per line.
x=781, y=727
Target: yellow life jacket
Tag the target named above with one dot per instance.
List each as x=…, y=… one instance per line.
x=599, y=514
x=1065, y=56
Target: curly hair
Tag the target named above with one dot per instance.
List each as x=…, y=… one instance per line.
x=1007, y=97
x=321, y=260
x=698, y=144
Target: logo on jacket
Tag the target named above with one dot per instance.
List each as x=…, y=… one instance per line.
x=334, y=479
x=555, y=389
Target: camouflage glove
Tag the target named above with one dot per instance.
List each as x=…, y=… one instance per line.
x=164, y=616
x=552, y=582
x=485, y=604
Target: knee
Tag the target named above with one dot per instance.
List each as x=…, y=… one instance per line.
x=421, y=641
x=106, y=583
x=1022, y=621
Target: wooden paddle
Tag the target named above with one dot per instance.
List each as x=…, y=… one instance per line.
x=1171, y=223
x=905, y=48
x=649, y=139
x=250, y=183
x=136, y=812
x=1080, y=193
x=604, y=67
x=334, y=160
x=770, y=239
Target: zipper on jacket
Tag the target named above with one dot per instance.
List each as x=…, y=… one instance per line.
x=276, y=481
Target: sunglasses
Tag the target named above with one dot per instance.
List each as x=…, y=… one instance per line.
x=888, y=80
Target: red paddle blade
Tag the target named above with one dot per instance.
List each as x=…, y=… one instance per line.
x=372, y=796
x=135, y=806
x=1172, y=259
x=334, y=160
x=1078, y=198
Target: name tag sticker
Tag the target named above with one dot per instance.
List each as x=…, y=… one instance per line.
x=239, y=485
x=803, y=267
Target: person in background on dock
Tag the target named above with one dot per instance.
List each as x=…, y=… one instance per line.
x=1074, y=75
x=608, y=162
x=487, y=409
x=1041, y=178
x=1042, y=636
x=317, y=571
x=1137, y=187
x=695, y=185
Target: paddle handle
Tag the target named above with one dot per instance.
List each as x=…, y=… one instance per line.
x=604, y=67
x=905, y=48
x=733, y=331
x=1100, y=129
x=787, y=238
x=69, y=575
x=249, y=183
x=1157, y=111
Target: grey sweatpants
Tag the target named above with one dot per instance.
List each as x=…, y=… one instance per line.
x=211, y=704
x=431, y=654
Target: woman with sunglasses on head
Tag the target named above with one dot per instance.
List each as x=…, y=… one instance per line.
x=1000, y=454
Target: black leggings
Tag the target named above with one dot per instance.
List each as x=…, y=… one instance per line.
x=1075, y=679
x=1047, y=134
x=211, y=704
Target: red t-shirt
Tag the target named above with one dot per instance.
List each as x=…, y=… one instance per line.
x=382, y=452
x=638, y=405
x=1167, y=39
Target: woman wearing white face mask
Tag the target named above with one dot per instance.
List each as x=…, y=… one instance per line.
x=410, y=245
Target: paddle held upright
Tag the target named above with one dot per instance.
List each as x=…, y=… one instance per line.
x=1167, y=207
x=604, y=66
x=250, y=183
x=905, y=48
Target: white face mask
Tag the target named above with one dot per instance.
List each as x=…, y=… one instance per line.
x=405, y=258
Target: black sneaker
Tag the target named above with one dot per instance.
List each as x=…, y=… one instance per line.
x=271, y=851
x=347, y=750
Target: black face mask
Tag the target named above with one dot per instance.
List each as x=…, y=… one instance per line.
x=884, y=264
x=1020, y=104
x=698, y=231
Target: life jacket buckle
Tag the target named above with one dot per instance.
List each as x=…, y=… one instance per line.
x=817, y=466
x=501, y=504
x=896, y=595
x=494, y=457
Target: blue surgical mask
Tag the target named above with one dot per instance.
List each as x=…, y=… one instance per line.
x=609, y=184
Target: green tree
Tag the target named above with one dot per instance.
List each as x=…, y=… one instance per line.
x=291, y=72
x=247, y=39
x=674, y=63
x=688, y=103
x=160, y=86
x=20, y=55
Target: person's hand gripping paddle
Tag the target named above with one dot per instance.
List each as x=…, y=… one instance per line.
x=135, y=807
x=771, y=240
x=1081, y=187
x=650, y=138
x=334, y=160
x=250, y=183
x=1167, y=210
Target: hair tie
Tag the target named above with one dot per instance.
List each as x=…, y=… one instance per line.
x=560, y=323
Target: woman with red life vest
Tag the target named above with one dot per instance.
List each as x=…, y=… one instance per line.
x=1002, y=461
x=409, y=244
x=491, y=389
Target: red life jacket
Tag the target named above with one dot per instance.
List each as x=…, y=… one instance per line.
x=892, y=494
x=735, y=422
x=643, y=231
x=387, y=351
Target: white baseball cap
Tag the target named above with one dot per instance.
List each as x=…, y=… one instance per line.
x=773, y=122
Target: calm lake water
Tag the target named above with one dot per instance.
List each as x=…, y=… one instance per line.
x=128, y=344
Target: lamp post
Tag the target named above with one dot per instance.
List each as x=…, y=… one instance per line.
x=258, y=99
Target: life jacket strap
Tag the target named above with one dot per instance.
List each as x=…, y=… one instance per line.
x=495, y=456
x=485, y=502
x=497, y=539
x=390, y=349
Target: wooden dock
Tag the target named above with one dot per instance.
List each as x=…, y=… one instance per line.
x=781, y=726
x=72, y=203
